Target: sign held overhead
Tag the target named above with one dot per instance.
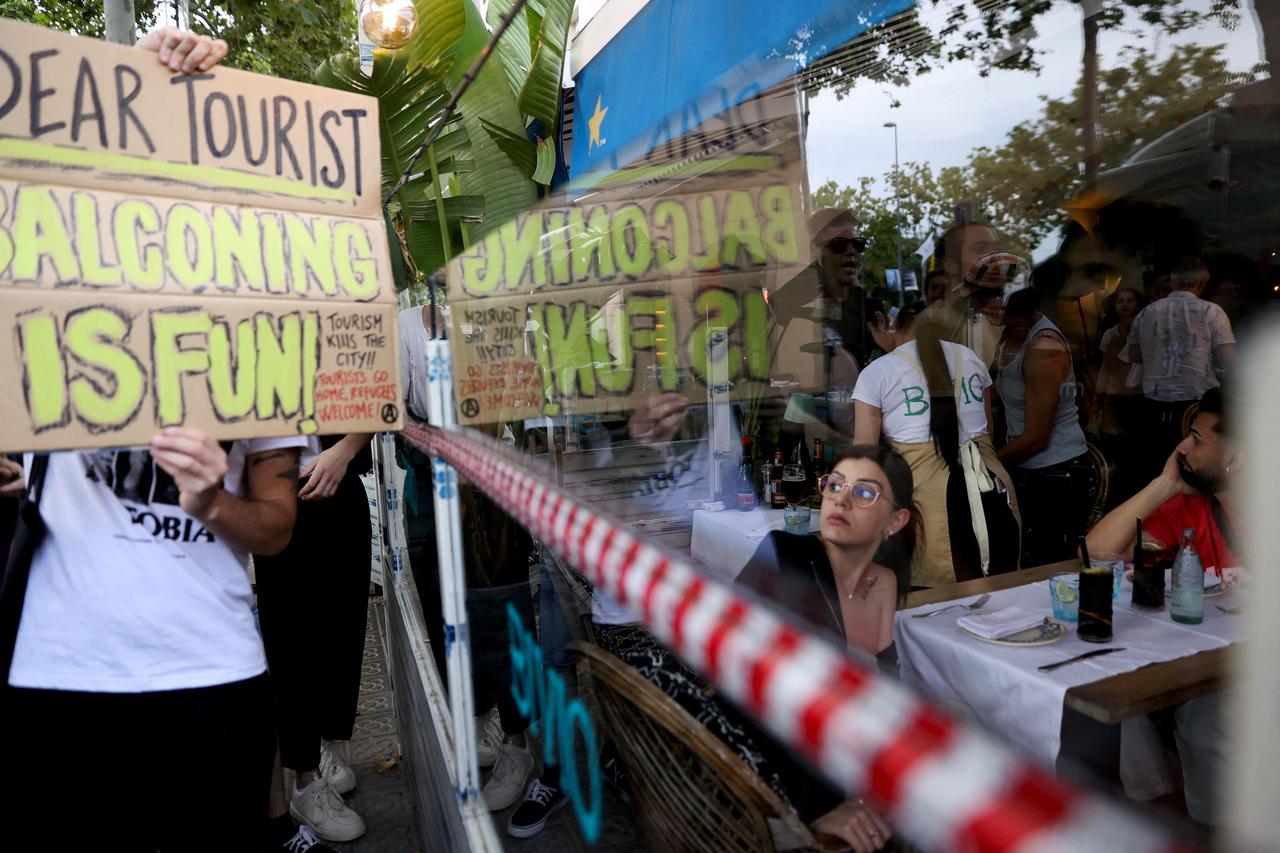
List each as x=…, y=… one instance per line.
x=203, y=249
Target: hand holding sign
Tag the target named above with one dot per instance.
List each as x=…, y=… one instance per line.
x=203, y=248
x=197, y=464
x=182, y=50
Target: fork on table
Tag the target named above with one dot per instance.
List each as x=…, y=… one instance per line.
x=974, y=606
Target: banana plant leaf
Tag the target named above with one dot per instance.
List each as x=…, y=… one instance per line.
x=506, y=189
x=409, y=99
x=540, y=93
x=514, y=50
x=440, y=25
x=546, y=162
x=514, y=145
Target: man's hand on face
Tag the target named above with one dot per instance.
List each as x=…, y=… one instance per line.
x=183, y=51
x=197, y=464
x=1171, y=476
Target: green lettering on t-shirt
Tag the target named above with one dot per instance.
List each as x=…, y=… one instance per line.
x=917, y=404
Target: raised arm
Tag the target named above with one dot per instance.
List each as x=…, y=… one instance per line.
x=1116, y=531
x=262, y=521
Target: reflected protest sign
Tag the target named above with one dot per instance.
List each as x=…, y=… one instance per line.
x=594, y=305
x=203, y=249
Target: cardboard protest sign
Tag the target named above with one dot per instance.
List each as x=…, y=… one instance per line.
x=201, y=249
x=594, y=306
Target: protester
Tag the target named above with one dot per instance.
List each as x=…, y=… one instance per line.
x=312, y=607
x=1045, y=446
x=824, y=324
x=131, y=635
x=1196, y=489
x=496, y=553
x=928, y=398
x=130, y=620
x=828, y=290
x=1182, y=342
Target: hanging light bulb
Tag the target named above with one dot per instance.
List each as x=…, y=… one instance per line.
x=388, y=23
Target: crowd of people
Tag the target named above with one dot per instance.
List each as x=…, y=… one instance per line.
x=981, y=422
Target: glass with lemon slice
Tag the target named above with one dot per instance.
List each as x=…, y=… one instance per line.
x=1064, y=593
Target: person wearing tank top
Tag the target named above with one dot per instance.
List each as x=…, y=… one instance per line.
x=1045, y=447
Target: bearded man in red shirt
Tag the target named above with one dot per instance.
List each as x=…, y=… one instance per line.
x=1196, y=490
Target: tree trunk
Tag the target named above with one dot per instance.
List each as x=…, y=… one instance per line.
x=122, y=25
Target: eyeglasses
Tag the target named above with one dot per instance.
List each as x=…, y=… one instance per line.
x=839, y=244
x=862, y=494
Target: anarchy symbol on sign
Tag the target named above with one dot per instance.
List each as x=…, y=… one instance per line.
x=390, y=413
x=470, y=408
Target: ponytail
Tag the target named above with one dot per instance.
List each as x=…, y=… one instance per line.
x=944, y=422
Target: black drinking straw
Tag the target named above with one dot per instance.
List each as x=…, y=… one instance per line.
x=1137, y=544
x=1084, y=552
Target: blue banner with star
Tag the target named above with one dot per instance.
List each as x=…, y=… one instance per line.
x=678, y=63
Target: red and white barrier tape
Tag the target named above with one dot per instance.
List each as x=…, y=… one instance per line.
x=944, y=785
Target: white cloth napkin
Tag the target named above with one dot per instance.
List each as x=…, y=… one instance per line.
x=999, y=624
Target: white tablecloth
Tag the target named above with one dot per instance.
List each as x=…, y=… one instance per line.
x=1000, y=686
x=725, y=541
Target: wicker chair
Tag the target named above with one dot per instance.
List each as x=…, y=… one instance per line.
x=1102, y=487
x=693, y=792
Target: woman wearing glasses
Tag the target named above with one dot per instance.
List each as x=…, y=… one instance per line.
x=841, y=582
x=928, y=397
x=841, y=585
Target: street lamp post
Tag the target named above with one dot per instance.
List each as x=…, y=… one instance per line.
x=897, y=204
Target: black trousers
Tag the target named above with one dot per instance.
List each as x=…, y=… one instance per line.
x=1055, y=503
x=178, y=770
x=313, y=601
x=1162, y=432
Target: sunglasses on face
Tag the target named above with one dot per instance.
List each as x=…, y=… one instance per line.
x=840, y=244
x=860, y=493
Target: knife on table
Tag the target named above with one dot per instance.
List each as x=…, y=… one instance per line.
x=1090, y=654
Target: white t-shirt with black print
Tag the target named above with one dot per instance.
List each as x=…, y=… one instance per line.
x=127, y=592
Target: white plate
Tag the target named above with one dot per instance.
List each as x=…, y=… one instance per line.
x=1049, y=631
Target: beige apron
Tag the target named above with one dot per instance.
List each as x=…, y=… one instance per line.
x=933, y=565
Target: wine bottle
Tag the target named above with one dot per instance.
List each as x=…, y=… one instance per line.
x=779, y=499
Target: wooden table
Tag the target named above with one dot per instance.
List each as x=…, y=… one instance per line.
x=1119, y=697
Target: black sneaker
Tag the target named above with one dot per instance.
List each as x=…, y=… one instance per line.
x=540, y=802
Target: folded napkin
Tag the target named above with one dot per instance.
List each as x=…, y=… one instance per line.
x=999, y=624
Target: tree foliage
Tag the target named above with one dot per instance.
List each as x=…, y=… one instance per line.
x=1022, y=185
x=283, y=39
x=995, y=34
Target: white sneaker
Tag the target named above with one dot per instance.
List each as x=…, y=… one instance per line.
x=488, y=738
x=511, y=773
x=320, y=807
x=334, y=768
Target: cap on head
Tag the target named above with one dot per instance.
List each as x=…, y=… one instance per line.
x=994, y=272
